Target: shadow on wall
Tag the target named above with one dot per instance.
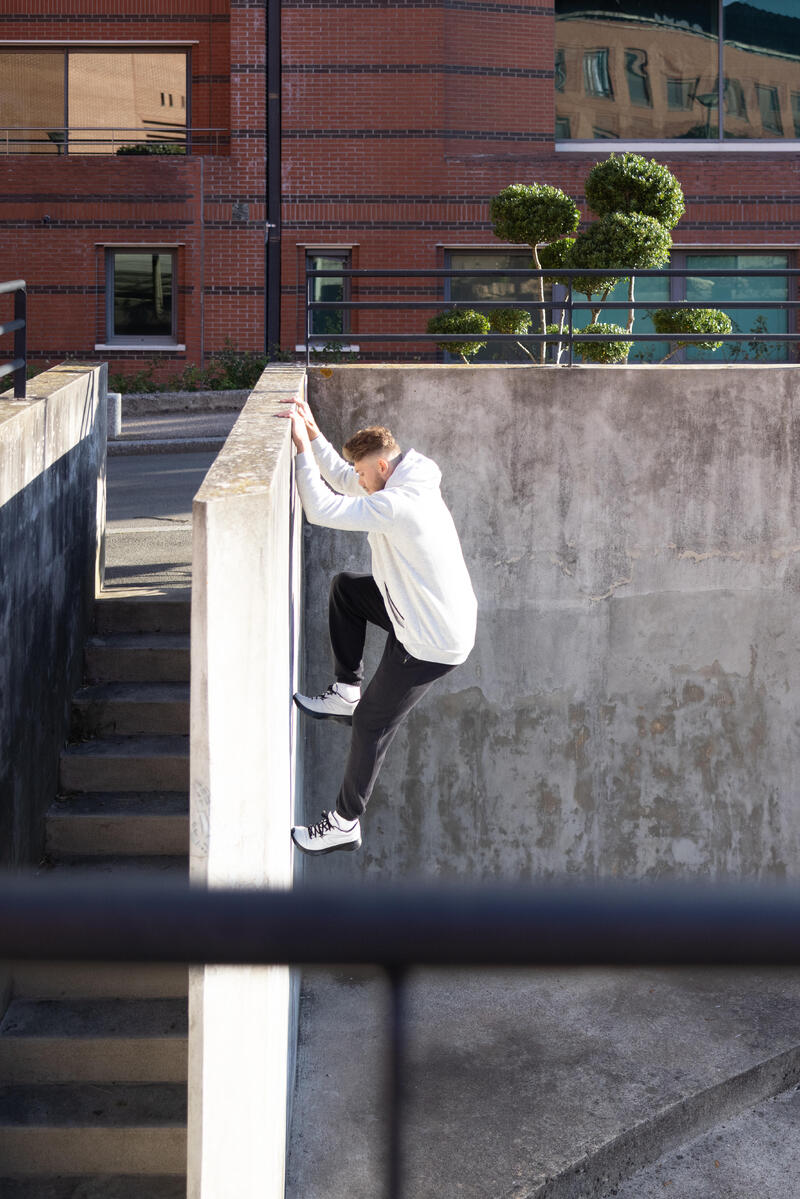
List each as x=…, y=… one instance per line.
x=630, y=708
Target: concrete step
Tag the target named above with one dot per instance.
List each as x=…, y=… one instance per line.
x=137, y=658
x=128, y=615
x=119, y=822
x=102, y=1186
x=103, y=709
x=755, y=1155
x=126, y=764
x=94, y=1040
x=73, y=1128
x=98, y=980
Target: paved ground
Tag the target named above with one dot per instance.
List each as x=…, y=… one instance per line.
x=149, y=498
x=552, y=1083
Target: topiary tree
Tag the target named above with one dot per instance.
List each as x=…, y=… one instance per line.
x=531, y=214
x=622, y=240
x=630, y=183
x=605, y=352
x=460, y=320
x=630, y=186
x=512, y=320
x=691, y=320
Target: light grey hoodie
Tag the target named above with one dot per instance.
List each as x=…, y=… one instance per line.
x=416, y=556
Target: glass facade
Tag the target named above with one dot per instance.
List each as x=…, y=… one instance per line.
x=713, y=293
x=92, y=102
x=140, y=291
x=709, y=69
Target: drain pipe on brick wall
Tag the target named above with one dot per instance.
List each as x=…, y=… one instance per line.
x=272, y=239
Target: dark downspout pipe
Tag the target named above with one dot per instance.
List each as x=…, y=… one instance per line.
x=272, y=297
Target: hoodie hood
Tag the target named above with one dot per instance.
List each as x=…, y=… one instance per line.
x=415, y=472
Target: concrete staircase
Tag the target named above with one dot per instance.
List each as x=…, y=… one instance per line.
x=93, y=1058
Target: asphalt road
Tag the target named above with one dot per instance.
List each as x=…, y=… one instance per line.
x=149, y=519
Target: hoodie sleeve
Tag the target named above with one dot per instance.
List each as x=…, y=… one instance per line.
x=367, y=514
x=334, y=469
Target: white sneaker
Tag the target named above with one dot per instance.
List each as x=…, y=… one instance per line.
x=331, y=832
x=331, y=705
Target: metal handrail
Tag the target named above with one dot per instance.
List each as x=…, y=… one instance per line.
x=19, y=363
x=61, y=136
x=569, y=336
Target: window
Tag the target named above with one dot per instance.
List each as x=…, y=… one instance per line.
x=681, y=93
x=333, y=321
x=139, y=297
x=714, y=292
x=596, y=79
x=92, y=101
x=518, y=291
x=636, y=74
x=694, y=69
x=770, y=109
x=561, y=71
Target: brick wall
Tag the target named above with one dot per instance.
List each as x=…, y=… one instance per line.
x=401, y=122
x=55, y=210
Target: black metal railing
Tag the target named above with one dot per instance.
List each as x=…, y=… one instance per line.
x=99, y=139
x=566, y=305
x=399, y=928
x=19, y=363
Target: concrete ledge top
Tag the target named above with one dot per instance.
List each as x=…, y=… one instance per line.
x=246, y=464
x=42, y=386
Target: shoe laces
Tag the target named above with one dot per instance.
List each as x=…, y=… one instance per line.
x=325, y=694
x=322, y=827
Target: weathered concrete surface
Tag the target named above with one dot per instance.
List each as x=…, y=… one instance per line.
x=631, y=706
x=52, y=513
x=536, y=1084
x=245, y=627
x=756, y=1154
x=142, y=403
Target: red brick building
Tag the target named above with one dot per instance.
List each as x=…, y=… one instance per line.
x=392, y=124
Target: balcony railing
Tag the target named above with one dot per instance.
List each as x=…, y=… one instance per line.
x=17, y=366
x=98, y=139
x=564, y=309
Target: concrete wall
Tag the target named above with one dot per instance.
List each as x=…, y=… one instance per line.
x=245, y=629
x=52, y=520
x=631, y=706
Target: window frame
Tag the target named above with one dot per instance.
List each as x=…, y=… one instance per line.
x=447, y=293
x=320, y=340
x=144, y=341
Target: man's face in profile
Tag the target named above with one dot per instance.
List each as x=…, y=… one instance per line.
x=372, y=471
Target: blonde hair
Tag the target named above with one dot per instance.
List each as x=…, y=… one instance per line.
x=373, y=440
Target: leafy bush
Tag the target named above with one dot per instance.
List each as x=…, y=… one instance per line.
x=510, y=320
x=630, y=183
x=605, y=352
x=691, y=320
x=460, y=320
x=618, y=240
x=153, y=148
x=228, y=369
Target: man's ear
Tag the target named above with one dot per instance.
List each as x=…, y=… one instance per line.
x=383, y=466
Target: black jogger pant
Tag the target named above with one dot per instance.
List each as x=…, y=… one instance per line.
x=398, y=684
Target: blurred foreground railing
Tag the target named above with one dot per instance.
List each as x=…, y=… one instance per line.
x=397, y=928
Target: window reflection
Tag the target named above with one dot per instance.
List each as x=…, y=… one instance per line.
x=328, y=290
x=32, y=94
x=518, y=290
x=669, y=56
x=91, y=101
x=142, y=294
